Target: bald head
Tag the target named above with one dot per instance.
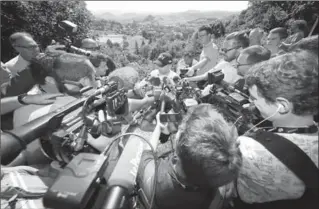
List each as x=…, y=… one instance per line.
x=89, y=44
x=255, y=36
x=24, y=44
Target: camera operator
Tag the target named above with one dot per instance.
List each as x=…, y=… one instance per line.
x=103, y=63
x=285, y=91
x=298, y=31
x=255, y=36
x=206, y=157
x=209, y=56
x=275, y=39
x=234, y=43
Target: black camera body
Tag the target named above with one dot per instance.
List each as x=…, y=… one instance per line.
x=230, y=101
x=67, y=27
x=183, y=72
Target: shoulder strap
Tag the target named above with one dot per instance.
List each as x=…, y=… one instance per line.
x=290, y=155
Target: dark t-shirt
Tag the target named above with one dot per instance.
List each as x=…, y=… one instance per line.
x=170, y=193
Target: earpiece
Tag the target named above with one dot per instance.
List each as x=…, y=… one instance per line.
x=280, y=108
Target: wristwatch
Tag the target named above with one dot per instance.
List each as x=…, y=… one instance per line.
x=20, y=99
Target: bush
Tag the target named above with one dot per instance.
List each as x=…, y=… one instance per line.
x=40, y=19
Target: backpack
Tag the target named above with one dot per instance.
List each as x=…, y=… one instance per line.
x=298, y=162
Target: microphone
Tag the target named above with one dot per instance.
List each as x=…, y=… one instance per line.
x=122, y=180
x=111, y=86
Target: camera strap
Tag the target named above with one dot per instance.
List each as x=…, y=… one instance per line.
x=297, y=161
x=293, y=157
x=302, y=130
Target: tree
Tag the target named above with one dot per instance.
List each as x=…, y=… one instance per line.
x=218, y=28
x=136, y=48
x=109, y=43
x=40, y=19
x=145, y=50
x=271, y=14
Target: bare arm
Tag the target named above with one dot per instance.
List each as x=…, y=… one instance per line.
x=198, y=78
x=200, y=64
x=137, y=104
x=9, y=104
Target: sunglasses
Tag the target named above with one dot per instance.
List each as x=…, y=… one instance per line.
x=227, y=50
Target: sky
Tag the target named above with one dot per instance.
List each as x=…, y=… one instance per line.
x=165, y=6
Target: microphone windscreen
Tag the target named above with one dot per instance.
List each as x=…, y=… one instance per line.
x=125, y=171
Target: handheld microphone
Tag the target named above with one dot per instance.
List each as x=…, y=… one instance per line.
x=122, y=180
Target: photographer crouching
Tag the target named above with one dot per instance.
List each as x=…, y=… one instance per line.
x=206, y=157
x=280, y=163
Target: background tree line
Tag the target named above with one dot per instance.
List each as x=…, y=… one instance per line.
x=40, y=18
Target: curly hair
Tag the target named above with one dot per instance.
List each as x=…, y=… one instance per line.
x=207, y=147
x=293, y=76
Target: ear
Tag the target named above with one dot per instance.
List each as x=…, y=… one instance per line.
x=286, y=106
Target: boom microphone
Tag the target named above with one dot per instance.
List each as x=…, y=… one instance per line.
x=122, y=180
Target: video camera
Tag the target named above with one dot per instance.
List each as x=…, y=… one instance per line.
x=62, y=136
x=67, y=29
x=81, y=183
x=230, y=101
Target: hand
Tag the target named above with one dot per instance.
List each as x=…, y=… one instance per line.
x=185, y=80
x=190, y=72
x=166, y=96
x=228, y=192
x=149, y=100
x=40, y=99
x=168, y=127
x=206, y=90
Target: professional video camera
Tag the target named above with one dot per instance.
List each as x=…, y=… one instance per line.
x=66, y=29
x=230, y=101
x=64, y=137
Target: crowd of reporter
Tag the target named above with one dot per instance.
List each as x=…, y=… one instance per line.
x=210, y=165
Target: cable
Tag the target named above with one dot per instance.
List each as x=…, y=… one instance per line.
x=106, y=150
x=263, y=120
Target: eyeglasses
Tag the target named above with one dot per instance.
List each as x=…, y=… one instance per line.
x=227, y=50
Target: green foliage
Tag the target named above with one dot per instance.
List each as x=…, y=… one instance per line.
x=136, y=48
x=40, y=18
x=109, y=43
x=218, y=28
x=271, y=14
x=145, y=50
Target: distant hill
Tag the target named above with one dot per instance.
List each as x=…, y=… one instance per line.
x=171, y=18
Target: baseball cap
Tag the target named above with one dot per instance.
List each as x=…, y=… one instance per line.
x=164, y=59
